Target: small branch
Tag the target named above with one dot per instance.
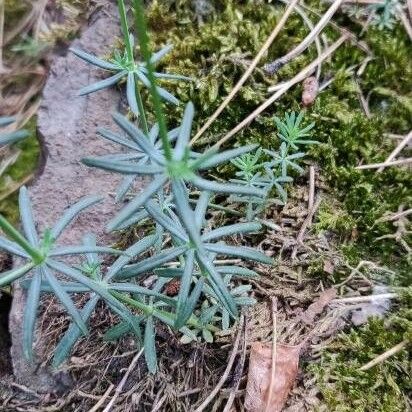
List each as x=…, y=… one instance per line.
x=226, y=373
x=397, y=150
x=406, y=23
x=305, y=225
x=119, y=388
x=381, y=358
x=385, y=164
x=287, y=85
x=249, y=71
x=102, y=400
x=302, y=46
x=311, y=195
x=238, y=372
x=361, y=299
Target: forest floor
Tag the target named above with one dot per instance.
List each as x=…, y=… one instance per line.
x=342, y=238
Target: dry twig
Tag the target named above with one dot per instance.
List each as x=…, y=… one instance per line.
x=226, y=373
x=119, y=388
x=397, y=150
x=379, y=359
x=399, y=162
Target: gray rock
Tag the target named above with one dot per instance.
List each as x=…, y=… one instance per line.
x=67, y=125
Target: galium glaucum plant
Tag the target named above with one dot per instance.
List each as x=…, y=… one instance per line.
x=183, y=245
x=270, y=170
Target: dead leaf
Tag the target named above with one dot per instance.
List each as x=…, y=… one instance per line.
x=259, y=388
x=317, y=307
x=328, y=267
x=310, y=91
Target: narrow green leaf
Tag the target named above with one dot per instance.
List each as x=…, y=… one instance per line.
x=160, y=54
x=225, y=156
x=150, y=345
x=13, y=137
x=72, y=212
x=30, y=314
x=64, y=298
x=131, y=93
x=201, y=208
x=231, y=230
x=130, y=209
x=226, y=187
x=192, y=300
x=26, y=215
x=150, y=263
x=12, y=248
x=167, y=96
x=122, y=167
x=239, y=251
x=96, y=287
x=219, y=287
x=136, y=289
x=113, y=137
x=7, y=278
x=237, y=270
x=73, y=334
x=6, y=120
x=165, y=221
x=10, y=231
x=89, y=58
x=138, y=248
x=184, y=132
x=81, y=250
x=185, y=284
x=103, y=84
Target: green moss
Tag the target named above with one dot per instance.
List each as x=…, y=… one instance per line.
x=216, y=53
x=383, y=388
x=25, y=165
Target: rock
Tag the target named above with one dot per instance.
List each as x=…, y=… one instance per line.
x=67, y=126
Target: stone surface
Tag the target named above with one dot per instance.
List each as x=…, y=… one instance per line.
x=67, y=125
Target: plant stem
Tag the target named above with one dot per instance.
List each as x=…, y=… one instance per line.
x=141, y=108
x=160, y=314
x=141, y=28
x=10, y=231
x=125, y=29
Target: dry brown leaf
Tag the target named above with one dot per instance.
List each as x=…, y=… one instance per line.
x=310, y=91
x=259, y=388
x=317, y=307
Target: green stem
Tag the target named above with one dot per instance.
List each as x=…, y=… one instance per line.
x=141, y=28
x=160, y=314
x=141, y=108
x=125, y=29
x=10, y=231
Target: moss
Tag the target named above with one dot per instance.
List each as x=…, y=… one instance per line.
x=24, y=166
x=383, y=388
x=216, y=54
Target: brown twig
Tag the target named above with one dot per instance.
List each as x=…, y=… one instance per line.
x=307, y=41
x=226, y=373
x=119, y=388
x=399, y=162
x=102, y=400
x=284, y=88
x=307, y=222
x=397, y=150
x=311, y=195
x=361, y=299
x=381, y=358
x=248, y=72
x=238, y=372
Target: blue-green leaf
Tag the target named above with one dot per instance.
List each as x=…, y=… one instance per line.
x=89, y=58
x=150, y=345
x=30, y=314
x=231, y=230
x=239, y=251
x=103, y=84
